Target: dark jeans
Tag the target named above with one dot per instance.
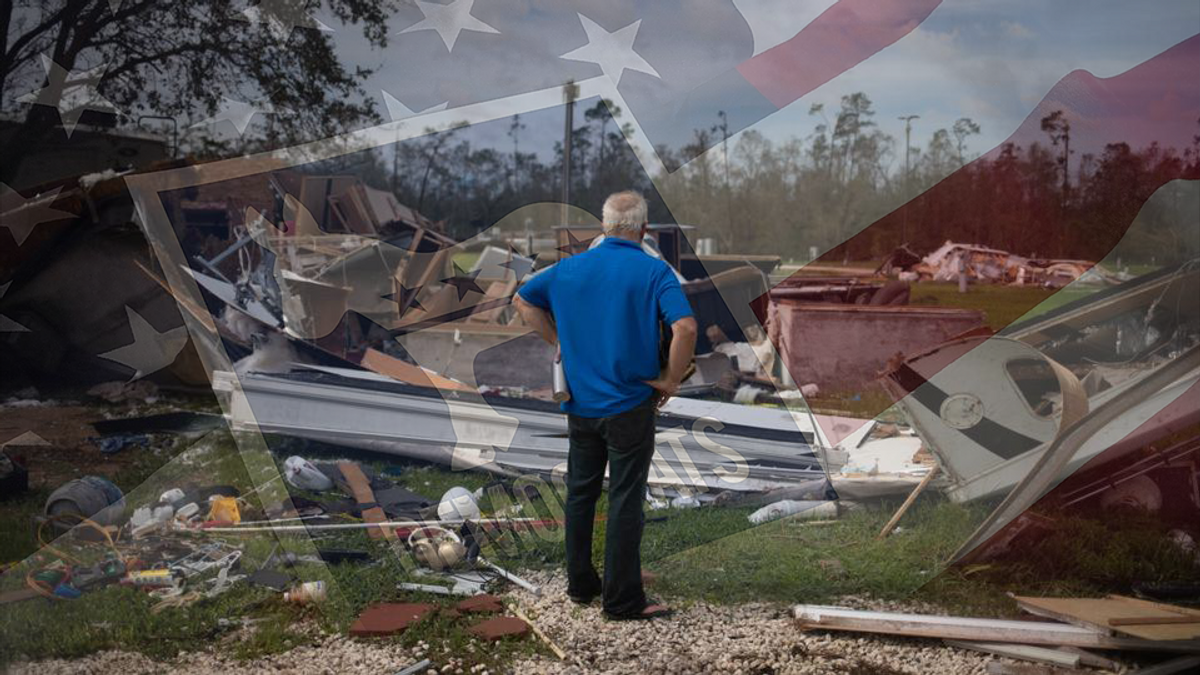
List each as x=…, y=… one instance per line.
x=625, y=442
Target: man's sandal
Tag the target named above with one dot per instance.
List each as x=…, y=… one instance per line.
x=582, y=600
x=652, y=610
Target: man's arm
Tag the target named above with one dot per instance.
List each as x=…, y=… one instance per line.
x=541, y=321
x=683, y=348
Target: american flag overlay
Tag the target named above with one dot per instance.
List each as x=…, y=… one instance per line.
x=269, y=399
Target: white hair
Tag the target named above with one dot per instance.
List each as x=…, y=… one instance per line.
x=624, y=213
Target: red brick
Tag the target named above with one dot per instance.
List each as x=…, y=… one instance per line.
x=388, y=619
x=500, y=627
x=481, y=604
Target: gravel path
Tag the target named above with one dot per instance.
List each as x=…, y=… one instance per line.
x=746, y=639
x=750, y=639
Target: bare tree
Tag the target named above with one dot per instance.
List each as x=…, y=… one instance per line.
x=963, y=128
x=178, y=59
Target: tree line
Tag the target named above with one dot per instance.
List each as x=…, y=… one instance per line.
x=753, y=194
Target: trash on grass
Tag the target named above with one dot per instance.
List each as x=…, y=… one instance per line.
x=306, y=593
x=224, y=510
x=458, y=504
x=804, y=510
x=302, y=474
x=88, y=497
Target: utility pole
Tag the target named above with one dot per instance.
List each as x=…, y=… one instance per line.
x=907, y=119
x=724, y=127
x=570, y=92
x=396, y=166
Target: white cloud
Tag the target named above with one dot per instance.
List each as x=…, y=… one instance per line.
x=1016, y=30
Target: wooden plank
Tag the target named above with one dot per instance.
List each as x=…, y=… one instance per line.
x=1151, y=620
x=1045, y=655
x=983, y=630
x=396, y=369
x=1098, y=613
x=1150, y=604
x=912, y=497
x=1094, y=660
x=497, y=290
x=999, y=668
x=361, y=488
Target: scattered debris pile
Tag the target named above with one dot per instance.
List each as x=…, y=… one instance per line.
x=981, y=264
x=1076, y=629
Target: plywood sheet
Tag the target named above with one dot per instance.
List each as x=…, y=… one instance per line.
x=396, y=369
x=361, y=487
x=1098, y=613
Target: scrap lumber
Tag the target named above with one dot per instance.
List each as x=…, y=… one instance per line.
x=1045, y=655
x=998, y=668
x=384, y=364
x=912, y=497
x=497, y=290
x=361, y=487
x=1152, y=620
x=1094, y=660
x=984, y=630
x=1151, y=604
x=1118, y=614
x=542, y=636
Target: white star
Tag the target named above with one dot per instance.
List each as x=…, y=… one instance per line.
x=7, y=325
x=237, y=113
x=25, y=440
x=20, y=215
x=282, y=16
x=71, y=92
x=613, y=52
x=150, y=350
x=399, y=111
x=449, y=20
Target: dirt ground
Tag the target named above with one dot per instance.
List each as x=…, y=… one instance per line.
x=56, y=441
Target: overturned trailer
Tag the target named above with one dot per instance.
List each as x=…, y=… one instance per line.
x=1016, y=413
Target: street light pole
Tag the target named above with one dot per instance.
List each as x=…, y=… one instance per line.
x=570, y=93
x=907, y=173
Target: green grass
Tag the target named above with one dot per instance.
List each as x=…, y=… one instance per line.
x=789, y=561
x=1081, y=556
x=707, y=553
x=17, y=528
x=120, y=617
x=1002, y=305
x=467, y=259
x=711, y=554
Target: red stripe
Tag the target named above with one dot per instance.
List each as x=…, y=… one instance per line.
x=840, y=38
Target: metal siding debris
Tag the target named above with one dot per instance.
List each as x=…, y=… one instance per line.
x=975, y=629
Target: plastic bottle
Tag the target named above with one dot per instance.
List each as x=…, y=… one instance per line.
x=561, y=392
x=305, y=593
x=808, y=510
x=302, y=474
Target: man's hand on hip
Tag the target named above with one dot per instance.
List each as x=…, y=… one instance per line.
x=665, y=385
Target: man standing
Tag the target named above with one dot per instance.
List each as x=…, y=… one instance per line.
x=602, y=309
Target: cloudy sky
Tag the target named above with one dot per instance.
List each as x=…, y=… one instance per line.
x=994, y=60
x=991, y=60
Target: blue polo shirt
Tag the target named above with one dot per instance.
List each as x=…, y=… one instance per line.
x=606, y=304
